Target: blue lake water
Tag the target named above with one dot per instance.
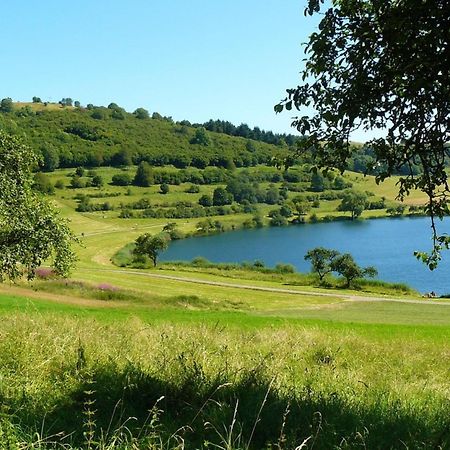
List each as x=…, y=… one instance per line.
x=387, y=244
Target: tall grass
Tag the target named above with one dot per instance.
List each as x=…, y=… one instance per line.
x=72, y=383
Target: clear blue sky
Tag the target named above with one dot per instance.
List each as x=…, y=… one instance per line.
x=190, y=59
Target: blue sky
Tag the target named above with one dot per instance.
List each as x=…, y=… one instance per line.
x=190, y=59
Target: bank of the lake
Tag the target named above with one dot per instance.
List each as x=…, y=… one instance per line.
x=388, y=244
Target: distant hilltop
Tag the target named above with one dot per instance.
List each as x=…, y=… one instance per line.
x=68, y=134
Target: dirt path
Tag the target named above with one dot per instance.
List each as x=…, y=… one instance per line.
x=348, y=297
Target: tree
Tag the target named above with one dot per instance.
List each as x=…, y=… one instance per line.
x=201, y=137
x=205, y=200
x=97, y=181
x=141, y=113
x=317, y=182
x=31, y=230
x=321, y=260
x=66, y=101
x=151, y=246
x=381, y=65
x=37, y=99
x=346, y=266
x=6, y=105
x=50, y=158
x=353, y=201
x=302, y=208
x=164, y=188
x=221, y=197
x=77, y=104
x=144, y=175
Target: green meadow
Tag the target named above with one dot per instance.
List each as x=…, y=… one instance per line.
x=189, y=356
x=185, y=357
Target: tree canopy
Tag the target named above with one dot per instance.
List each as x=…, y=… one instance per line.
x=31, y=231
x=151, y=246
x=381, y=65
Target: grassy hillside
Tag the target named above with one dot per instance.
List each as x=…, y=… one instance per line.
x=104, y=136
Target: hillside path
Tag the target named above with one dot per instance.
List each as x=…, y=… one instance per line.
x=348, y=297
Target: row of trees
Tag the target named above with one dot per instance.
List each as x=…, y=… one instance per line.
x=325, y=261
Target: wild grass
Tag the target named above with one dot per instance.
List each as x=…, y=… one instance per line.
x=257, y=271
x=78, y=383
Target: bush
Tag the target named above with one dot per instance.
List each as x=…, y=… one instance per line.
x=193, y=189
x=284, y=268
x=121, y=179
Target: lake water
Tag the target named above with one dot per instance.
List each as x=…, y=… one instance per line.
x=387, y=244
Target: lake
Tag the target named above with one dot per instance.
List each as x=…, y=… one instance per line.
x=388, y=244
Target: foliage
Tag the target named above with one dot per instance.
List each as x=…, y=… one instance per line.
x=321, y=260
x=346, y=266
x=121, y=179
x=144, y=175
x=164, y=188
x=151, y=246
x=201, y=137
x=42, y=183
x=141, y=113
x=6, y=105
x=353, y=201
x=31, y=230
x=381, y=65
x=221, y=197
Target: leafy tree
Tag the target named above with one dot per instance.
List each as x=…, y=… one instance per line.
x=301, y=208
x=6, y=105
x=285, y=211
x=50, y=158
x=272, y=195
x=277, y=219
x=221, y=197
x=354, y=202
x=381, y=65
x=97, y=181
x=141, y=113
x=201, y=137
x=151, y=246
x=317, y=182
x=77, y=104
x=31, y=230
x=321, y=260
x=66, y=101
x=144, y=175
x=37, y=100
x=164, y=188
x=205, y=200
x=122, y=158
x=346, y=266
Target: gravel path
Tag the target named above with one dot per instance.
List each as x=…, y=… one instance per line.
x=349, y=297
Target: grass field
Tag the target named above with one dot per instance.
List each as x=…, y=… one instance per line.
x=182, y=357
